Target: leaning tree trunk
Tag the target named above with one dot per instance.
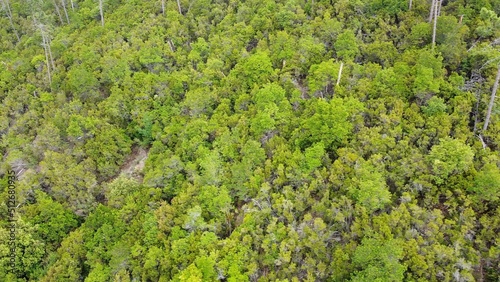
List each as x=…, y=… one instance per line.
x=63, y=4
x=6, y=6
x=58, y=12
x=46, y=50
x=492, y=101
x=340, y=73
x=179, y=6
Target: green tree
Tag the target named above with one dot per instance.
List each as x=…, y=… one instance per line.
x=449, y=157
x=378, y=260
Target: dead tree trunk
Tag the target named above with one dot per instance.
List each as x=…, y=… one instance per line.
x=58, y=12
x=163, y=7
x=436, y=9
x=6, y=7
x=431, y=14
x=179, y=6
x=44, y=44
x=50, y=52
x=63, y=4
x=101, y=12
x=72, y=5
x=409, y=5
x=492, y=100
x=46, y=49
x=340, y=72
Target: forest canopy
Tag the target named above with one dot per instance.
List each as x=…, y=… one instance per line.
x=197, y=140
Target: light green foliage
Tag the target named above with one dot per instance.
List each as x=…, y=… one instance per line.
x=369, y=188
x=256, y=69
x=487, y=183
x=435, y=106
x=449, y=157
x=327, y=122
x=489, y=23
x=379, y=261
x=322, y=77
x=346, y=45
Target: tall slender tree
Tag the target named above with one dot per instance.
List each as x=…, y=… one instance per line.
x=179, y=6
x=58, y=12
x=492, y=100
x=49, y=61
x=436, y=14
x=431, y=14
x=63, y=4
x=8, y=12
x=101, y=11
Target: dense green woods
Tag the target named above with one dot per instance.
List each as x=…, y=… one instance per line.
x=341, y=140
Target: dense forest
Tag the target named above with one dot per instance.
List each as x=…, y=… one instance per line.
x=255, y=140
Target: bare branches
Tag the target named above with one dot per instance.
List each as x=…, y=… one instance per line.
x=49, y=60
x=8, y=11
x=63, y=4
x=492, y=100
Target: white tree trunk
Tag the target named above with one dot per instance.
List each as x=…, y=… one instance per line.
x=63, y=3
x=6, y=7
x=50, y=53
x=44, y=45
x=163, y=7
x=409, y=5
x=340, y=72
x=492, y=100
x=72, y=5
x=101, y=12
x=431, y=14
x=179, y=6
x=58, y=12
x=437, y=2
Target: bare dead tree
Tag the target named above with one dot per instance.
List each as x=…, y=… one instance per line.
x=436, y=9
x=492, y=100
x=63, y=4
x=179, y=6
x=431, y=14
x=101, y=12
x=8, y=11
x=72, y=5
x=409, y=5
x=58, y=12
x=163, y=7
x=171, y=45
x=46, y=46
x=340, y=72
